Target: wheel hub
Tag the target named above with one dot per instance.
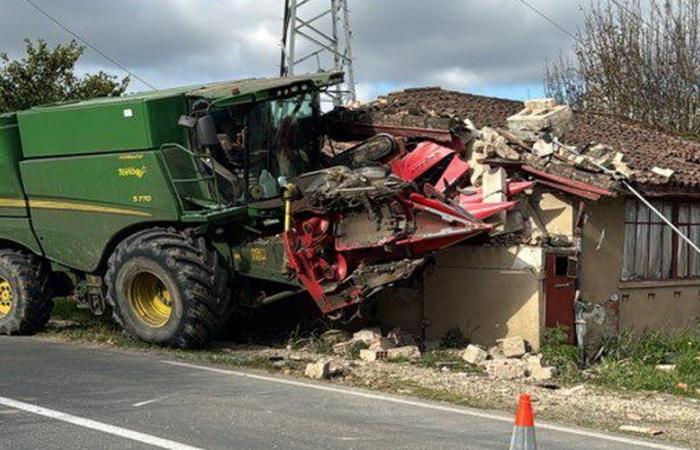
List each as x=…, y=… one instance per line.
x=5, y=297
x=150, y=300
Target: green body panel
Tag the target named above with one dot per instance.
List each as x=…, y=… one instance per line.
x=11, y=193
x=95, y=171
x=122, y=124
x=79, y=204
x=19, y=231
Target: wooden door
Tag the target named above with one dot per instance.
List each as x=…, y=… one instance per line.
x=560, y=293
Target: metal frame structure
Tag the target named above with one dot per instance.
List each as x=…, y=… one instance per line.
x=328, y=46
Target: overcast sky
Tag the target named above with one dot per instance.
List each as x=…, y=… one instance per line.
x=495, y=47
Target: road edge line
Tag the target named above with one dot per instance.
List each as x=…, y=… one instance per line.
x=96, y=425
x=420, y=404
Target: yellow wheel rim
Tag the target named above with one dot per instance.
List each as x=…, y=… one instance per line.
x=5, y=298
x=150, y=300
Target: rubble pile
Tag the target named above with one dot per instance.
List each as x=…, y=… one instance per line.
x=509, y=360
x=396, y=345
x=550, y=137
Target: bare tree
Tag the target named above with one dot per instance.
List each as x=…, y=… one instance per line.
x=638, y=62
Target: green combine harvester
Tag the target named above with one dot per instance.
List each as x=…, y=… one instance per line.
x=172, y=209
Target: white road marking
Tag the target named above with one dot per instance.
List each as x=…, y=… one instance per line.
x=95, y=425
x=148, y=402
x=418, y=404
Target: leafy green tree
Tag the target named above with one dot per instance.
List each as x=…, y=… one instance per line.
x=47, y=75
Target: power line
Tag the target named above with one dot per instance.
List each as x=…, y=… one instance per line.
x=84, y=41
x=550, y=20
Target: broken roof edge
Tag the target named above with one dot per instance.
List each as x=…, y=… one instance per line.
x=644, y=147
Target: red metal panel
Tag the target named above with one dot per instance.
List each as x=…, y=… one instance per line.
x=426, y=156
x=485, y=210
x=571, y=190
x=455, y=171
x=568, y=182
x=514, y=188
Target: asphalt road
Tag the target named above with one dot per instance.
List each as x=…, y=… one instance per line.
x=55, y=396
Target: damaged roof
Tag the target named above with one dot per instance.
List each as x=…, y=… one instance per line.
x=644, y=148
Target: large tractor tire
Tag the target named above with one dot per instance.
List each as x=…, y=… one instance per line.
x=25, y=298
x=167, y=288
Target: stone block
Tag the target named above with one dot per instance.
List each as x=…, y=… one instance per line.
x=372, y=355
x=506, y=369
x=318, y=370
x=475, y=355
x=513, y=347
x=407, y=352
x=367, y=335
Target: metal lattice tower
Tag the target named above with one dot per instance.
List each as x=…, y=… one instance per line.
x=319, y=31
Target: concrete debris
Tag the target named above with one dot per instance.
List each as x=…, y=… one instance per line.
x=543, y=149
x=318, y=370
x=540, y=116
x=475, y=355
x=495, y=352
x=507, y=369
x=537, y=370
x=540, y=104
x=513, y=347
x=647, y=431
x=666, y=173
x=373, y=355
x=408, y=352
x=368, y=335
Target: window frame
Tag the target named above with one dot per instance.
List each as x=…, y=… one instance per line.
x=676, y=241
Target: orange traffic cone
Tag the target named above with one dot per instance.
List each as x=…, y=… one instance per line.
x=524, y=431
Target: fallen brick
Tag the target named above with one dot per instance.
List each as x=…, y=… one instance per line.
x=507, y=369
x=513, y=347
x=407, y=352
x=475, y=355
x=367, y=335
x=318, y=370
x=372, y=355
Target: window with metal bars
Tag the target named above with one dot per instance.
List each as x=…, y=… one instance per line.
x=652, y=251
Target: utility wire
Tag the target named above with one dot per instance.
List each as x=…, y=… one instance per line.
x=84, y=41
x=549, y=19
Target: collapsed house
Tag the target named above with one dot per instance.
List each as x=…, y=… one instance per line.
x=569, y=246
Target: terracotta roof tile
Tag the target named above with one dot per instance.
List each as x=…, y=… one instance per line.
x=643, y=147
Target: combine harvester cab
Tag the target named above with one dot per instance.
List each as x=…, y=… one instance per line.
x=160, y=206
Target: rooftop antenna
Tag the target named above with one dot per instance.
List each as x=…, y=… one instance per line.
x=319, y=30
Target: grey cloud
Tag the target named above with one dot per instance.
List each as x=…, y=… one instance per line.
x=401, y=42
